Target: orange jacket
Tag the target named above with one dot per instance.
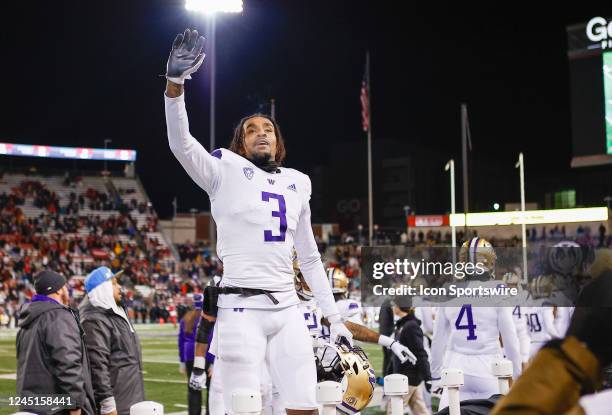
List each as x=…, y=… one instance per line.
x=554, y=382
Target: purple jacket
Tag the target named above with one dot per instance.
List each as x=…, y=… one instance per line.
x=186, y=342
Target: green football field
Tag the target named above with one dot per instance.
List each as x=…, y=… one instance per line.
x=163, y=382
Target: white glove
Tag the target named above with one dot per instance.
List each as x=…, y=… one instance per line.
x=402, y=352
x=108, y=405
x=186, y=56
x=197, y=381
x=338, y=330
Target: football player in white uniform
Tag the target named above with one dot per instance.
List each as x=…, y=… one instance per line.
x=261, y=211
x=354, y=383
x=349, y=308
x=541, y=323
x=520, y=319
x=468, y=338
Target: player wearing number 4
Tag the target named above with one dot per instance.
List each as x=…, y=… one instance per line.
x=470, y=336
x=262, y=211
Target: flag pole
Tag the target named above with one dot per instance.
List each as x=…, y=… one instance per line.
x=465, y=143
x=370, y=197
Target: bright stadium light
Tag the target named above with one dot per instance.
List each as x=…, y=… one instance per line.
x=214, y=6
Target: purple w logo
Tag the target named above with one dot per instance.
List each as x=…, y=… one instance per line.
x=271, y=181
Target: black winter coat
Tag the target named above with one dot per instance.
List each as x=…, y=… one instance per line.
x=51, y=356
x=114, y=353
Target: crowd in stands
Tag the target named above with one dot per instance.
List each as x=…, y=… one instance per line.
x=73, y=244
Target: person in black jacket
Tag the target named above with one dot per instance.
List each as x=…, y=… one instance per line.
x=51, y=356
x=408, y=332
x=385, y=325
x=112, y=345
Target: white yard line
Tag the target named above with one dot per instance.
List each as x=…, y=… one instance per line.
x=181, y=382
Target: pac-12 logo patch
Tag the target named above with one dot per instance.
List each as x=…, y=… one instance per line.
x=248, y=172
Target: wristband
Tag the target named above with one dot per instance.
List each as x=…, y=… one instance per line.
x=108, y=405
x=385, y=341
x=199, y=362
x=178, y=81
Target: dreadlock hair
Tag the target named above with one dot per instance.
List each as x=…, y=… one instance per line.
x=237, y=143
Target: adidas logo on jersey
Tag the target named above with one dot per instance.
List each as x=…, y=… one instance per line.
x=292, y=187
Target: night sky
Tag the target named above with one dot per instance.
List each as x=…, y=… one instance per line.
x=77, y=72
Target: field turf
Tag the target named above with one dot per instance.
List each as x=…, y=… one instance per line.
x=163, y=382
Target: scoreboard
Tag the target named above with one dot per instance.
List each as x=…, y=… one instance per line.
x=590, y=67
x=78, y=153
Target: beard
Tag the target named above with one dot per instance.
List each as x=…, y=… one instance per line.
x=260, y=159
x=264, y=161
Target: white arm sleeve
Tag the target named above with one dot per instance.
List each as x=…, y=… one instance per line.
x=310, y=262
x=203, y=168
x=441, y=334
x=427, y=319
x=510, y=339
x=549, y=322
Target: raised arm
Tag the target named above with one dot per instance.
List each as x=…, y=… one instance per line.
x=185, y=58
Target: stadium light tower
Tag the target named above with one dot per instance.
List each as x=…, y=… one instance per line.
x=450, y=166
x=211, y=8
x=520, y=164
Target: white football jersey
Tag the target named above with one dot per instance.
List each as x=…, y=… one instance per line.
x=541, y=323
x=350, y=310
x=471, y=330
x=312, y=317
x=563, y=317
x=260, y=217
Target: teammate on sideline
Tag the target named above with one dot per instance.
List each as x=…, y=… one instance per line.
x=262, y=211
x=470, y=336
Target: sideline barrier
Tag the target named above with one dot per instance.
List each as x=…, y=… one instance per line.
x=396, y=386
x=452, y=379
x=147, y=408
x=502, y=369
x=246, y=402
x=329, y=394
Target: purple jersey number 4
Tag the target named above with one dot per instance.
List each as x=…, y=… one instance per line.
x=470, y=326
x=281, y=213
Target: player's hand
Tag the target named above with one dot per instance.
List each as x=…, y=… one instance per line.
x=436, y=388
x=338, y=331
x=186, y=56
x=198, y=379
x=182, y=368
x=402, y=352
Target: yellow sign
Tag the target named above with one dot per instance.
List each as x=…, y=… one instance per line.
x=531, y=217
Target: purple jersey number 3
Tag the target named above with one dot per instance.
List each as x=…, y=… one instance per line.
x=281, y=213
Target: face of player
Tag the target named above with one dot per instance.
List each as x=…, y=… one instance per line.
x=259, y=139
x=116, y=291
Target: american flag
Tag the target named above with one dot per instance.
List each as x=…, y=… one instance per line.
x=365, y=99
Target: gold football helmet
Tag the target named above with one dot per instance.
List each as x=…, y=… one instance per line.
x=542, y=286
x=301, y=286
x=479, y=250
x=351, y=368
x=338, y=280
